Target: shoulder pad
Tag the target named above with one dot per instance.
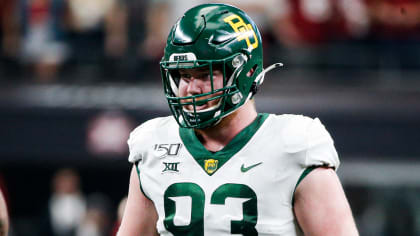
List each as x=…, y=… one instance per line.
x=303, y=134
x=141, y=137
x=294, y=132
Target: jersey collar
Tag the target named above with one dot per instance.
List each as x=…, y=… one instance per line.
x=212, y=161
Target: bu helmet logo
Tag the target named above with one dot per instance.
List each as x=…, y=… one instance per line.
x=210, y=165
x=244, y=31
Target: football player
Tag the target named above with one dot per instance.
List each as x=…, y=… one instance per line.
x=216, y=166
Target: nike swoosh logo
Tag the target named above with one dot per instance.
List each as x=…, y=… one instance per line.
x=245, y=169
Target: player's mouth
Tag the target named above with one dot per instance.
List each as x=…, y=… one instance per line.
x=200, y=104
x=197, y=108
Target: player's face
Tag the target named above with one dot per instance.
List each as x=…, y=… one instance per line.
x=197, y=81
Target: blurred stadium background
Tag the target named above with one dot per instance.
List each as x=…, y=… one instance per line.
x=77, y=76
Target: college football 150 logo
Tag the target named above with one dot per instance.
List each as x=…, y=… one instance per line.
x=244, y=31
x=167, y=149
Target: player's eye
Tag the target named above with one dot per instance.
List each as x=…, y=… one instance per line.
x=203, y=76
x=185, y=76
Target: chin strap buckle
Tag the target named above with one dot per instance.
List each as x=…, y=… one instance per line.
x=254, y=88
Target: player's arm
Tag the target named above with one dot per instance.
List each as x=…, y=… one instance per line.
x=140, y=215
x=321, y=206
x=4, y=217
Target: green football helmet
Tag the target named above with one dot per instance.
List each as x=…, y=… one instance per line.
x=213, y=36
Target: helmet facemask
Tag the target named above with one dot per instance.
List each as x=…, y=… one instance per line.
x=185, y=109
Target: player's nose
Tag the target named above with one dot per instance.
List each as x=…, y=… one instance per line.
x=194, y=86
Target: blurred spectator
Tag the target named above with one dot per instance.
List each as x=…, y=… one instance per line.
x=4, y=216
x=5, y=209
x=161, y=15
x=67, y=205
x=395, y=33
x=306, y=29
x=9, y=35
x=132, y=68
x=310, y=23
x=395, y=18
x=97, y=221
x=8, y=26
x=107, y=134
x=97, y=32
x=43, y=48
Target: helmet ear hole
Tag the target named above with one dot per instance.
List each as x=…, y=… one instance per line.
x=251, y=72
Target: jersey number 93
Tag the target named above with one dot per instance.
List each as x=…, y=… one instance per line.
x=246, y=226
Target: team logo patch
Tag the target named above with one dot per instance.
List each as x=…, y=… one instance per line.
x=210, y=165
x=244, y=31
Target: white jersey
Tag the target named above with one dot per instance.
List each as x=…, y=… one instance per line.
x=246, y=188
